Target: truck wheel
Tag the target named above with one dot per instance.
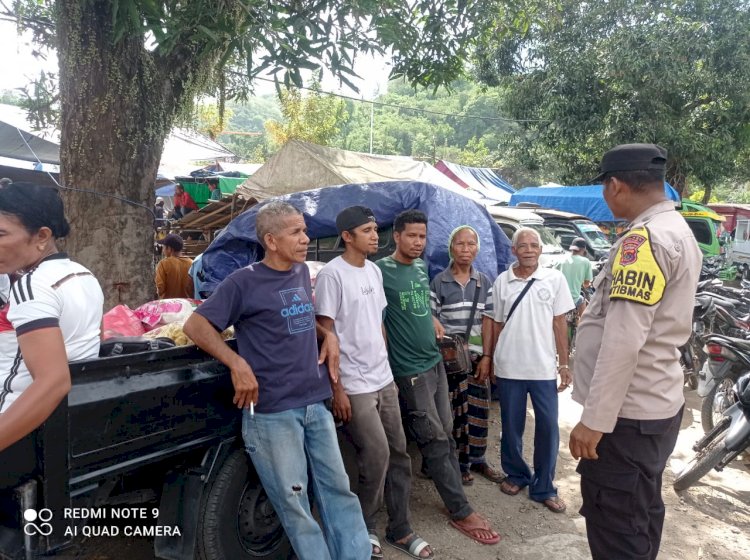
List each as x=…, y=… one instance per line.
x=238, y=521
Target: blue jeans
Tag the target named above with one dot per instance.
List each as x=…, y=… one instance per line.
x=546, y=435
x=283, y=446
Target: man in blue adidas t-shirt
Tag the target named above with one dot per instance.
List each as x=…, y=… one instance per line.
x=279, y=385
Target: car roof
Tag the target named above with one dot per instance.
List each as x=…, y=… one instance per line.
x=520, y=214
x=551, y=213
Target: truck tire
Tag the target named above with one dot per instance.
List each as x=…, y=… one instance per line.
x=237, y=520
x=703, y=462
x=724, y=389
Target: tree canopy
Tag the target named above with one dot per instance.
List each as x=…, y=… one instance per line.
x=130, y=68
x=590, y=75
x=313, y=117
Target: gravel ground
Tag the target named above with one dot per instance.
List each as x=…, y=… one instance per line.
x=708, y=521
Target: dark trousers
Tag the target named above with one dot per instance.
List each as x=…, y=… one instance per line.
x=430, y=422
x=384, y=464
x=543, y=395
x=621, y=490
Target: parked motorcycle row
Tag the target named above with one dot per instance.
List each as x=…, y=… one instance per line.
x=716, y=362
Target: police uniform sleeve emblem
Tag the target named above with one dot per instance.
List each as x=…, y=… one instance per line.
x=636, y=274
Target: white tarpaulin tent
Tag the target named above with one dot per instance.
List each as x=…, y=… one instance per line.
x=20, y=141
x=300, y=166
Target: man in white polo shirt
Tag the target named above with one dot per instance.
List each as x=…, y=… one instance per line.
x=530, y=303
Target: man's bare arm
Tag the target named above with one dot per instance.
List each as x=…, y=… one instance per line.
x=203, y=333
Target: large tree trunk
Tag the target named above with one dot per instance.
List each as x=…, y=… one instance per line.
x=115, y=117
x=677, y=177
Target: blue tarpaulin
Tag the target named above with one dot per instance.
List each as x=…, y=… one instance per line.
x=586, y=200
x=237, y=246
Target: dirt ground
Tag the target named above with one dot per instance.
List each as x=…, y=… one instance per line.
x=708, y=521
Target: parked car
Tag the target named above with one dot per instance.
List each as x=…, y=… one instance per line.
x=511, y=219
x=567, y=227
x=703, y=223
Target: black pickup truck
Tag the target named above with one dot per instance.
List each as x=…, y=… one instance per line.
x=144, y=444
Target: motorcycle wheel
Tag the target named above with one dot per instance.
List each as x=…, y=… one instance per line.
x=691, y=373
x=703, y=462
x=692, y=381
x=711, y=410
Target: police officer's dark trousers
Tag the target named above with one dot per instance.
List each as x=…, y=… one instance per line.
x=621, y=490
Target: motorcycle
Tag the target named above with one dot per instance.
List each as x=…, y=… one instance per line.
x=692, y=356
x=722, y=444
x=728, y=359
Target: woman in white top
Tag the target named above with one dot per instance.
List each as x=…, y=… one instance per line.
x=55, y=309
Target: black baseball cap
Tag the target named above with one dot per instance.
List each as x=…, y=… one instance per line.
x=633, y=157
x=353, y=217
x=578, y=243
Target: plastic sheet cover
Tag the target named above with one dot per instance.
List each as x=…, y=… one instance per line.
x=587, y=200
x=237, y=246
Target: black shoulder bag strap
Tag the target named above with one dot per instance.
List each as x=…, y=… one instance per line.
x=473, y=312
x=519, y=298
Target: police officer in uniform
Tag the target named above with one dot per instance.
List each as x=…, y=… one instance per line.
x=627, y=372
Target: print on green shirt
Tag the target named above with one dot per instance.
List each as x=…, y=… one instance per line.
x=412, y=347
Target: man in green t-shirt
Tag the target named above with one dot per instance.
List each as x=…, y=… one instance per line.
x=418, y=369
x=577, y=271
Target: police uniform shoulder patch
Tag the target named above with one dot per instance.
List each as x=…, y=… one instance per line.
x=636, y=275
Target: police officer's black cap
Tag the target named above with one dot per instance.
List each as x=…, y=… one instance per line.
x=353, y=217
x=633, y=157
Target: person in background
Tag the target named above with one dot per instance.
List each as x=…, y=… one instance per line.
x=349, y=300
x=172, y=273
x=55, y=310
x=159, y=212
x=452, y=294
x=287, y=428
x=196, y=273
x=417, y=366
x=530, y=303
x=577, y=271
x=213, y=186
x=183, y=203
x=627, y=372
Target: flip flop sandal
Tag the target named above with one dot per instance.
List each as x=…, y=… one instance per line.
x=467, y=479
x=470, y=532
x=374, y=541
x=559, y=506
x=412, y=547
x=483, y=469
x=507, y=487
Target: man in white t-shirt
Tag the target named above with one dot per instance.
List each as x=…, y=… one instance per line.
x=349, y=300
x=530, y=303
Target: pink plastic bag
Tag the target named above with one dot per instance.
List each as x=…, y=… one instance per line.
x=121, y=321
x=164, y=311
